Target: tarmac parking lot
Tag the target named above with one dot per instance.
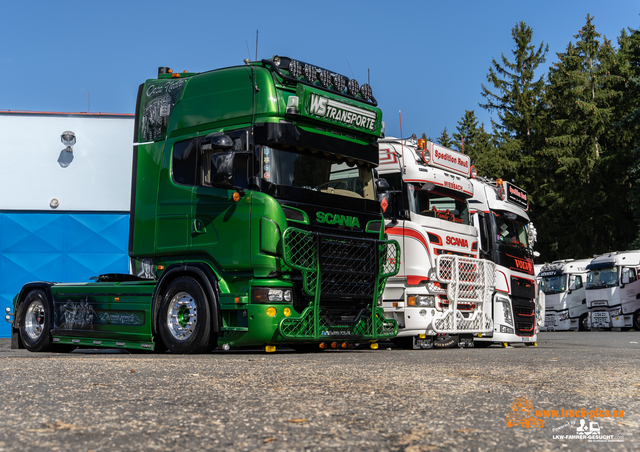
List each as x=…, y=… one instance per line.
x=385, y=399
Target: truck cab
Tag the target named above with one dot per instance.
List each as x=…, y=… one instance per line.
x=613, y=291
x=564, y=285
x=442, y=289
x=506, y=237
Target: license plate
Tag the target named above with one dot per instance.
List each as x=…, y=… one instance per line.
x=600, y=316
x=526, y=339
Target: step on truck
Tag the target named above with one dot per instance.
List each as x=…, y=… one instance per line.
x=613, y=291
x=254, y=221
x=564, y=285
x=442, y=293
x=506, y=237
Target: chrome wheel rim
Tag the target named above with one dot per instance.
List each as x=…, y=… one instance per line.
x=182, y=316
x=34, y=320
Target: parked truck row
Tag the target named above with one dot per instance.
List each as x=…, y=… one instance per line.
x=591, y=294
x=257, y=219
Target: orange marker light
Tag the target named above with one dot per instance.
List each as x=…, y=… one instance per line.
x=322, y=345
x=116, y=299
x=236, y=196
x=499, y=182
x=160, y=267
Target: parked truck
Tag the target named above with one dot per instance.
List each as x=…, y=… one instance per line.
x=254, y=221
x=564, y=285
x=613, y=291
x=442, y=294
x=506, y=237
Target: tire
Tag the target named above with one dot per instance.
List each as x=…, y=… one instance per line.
x=445, y=341
x=185, y=318
x=35, y=322
x=636, y=320
x=583, y=323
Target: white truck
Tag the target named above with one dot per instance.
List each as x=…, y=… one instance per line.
x=613, y=291
x=564, y=285
x=441, y=295
x=506, y=238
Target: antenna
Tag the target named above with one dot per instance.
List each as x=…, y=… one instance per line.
x=89, y=97
x=256, y=44
x=404, y=168
x=248, y=51
x=352, y=75
x=369, y=76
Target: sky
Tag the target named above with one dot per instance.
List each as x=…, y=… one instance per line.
x=425, y=58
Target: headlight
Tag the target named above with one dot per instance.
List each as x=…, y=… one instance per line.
x=506, y=329
x=616, y=312
x=421, y=300
x=506, y=310
x=264, y=295
x=563, y=316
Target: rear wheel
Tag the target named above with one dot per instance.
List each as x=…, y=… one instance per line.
x=184, y=317
x=35, y=322
x=636, y=320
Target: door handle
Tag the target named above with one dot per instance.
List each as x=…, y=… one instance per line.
x=197, y=227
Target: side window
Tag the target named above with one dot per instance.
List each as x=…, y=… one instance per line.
x=184, y=162
x=575, y=282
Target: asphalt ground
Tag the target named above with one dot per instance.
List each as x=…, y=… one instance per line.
x=351, y=400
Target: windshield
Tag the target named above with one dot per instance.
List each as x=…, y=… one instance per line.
x=318, y=172
x=436, y=204
x=510, y=229
x=554, y=284
x=602, y=277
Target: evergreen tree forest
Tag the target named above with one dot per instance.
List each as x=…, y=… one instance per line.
x=569, y=136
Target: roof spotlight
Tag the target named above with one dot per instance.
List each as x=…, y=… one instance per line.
x=310, y=73
x=339, y=83
x=353, y=87
x=295, y=68
x=325, y=78
x=365, y=91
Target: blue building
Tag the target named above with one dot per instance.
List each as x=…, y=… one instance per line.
x=65, y=180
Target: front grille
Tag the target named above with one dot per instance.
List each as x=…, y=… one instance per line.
x=348, y=267
x=522, y=310
x=524, y=329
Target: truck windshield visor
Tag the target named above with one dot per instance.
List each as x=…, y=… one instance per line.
x=553, y=284
x=510, y=229
x=437, y=203
x=602, y=278
x=317, y=172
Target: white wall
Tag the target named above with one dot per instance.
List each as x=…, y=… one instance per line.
x=35, y=167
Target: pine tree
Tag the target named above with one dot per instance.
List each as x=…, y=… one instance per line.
x=582, y=195
x=517, y=101
x=445, y=140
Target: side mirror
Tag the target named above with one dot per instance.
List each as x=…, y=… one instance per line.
x=625, y=278
x=382, y=185
x=217, y=140
x=222, y=169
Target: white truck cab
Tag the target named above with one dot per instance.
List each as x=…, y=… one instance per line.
x=564, y=285
x=613, y=290
x=506, y=238
x=442, y=292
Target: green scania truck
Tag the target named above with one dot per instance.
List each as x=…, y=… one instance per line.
x=254, y=221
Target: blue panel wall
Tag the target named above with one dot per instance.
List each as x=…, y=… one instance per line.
x=61, y=247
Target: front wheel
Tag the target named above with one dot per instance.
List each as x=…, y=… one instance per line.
x=35, y=322
x=184, y=317
x=583, y=323
x=636, y=320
